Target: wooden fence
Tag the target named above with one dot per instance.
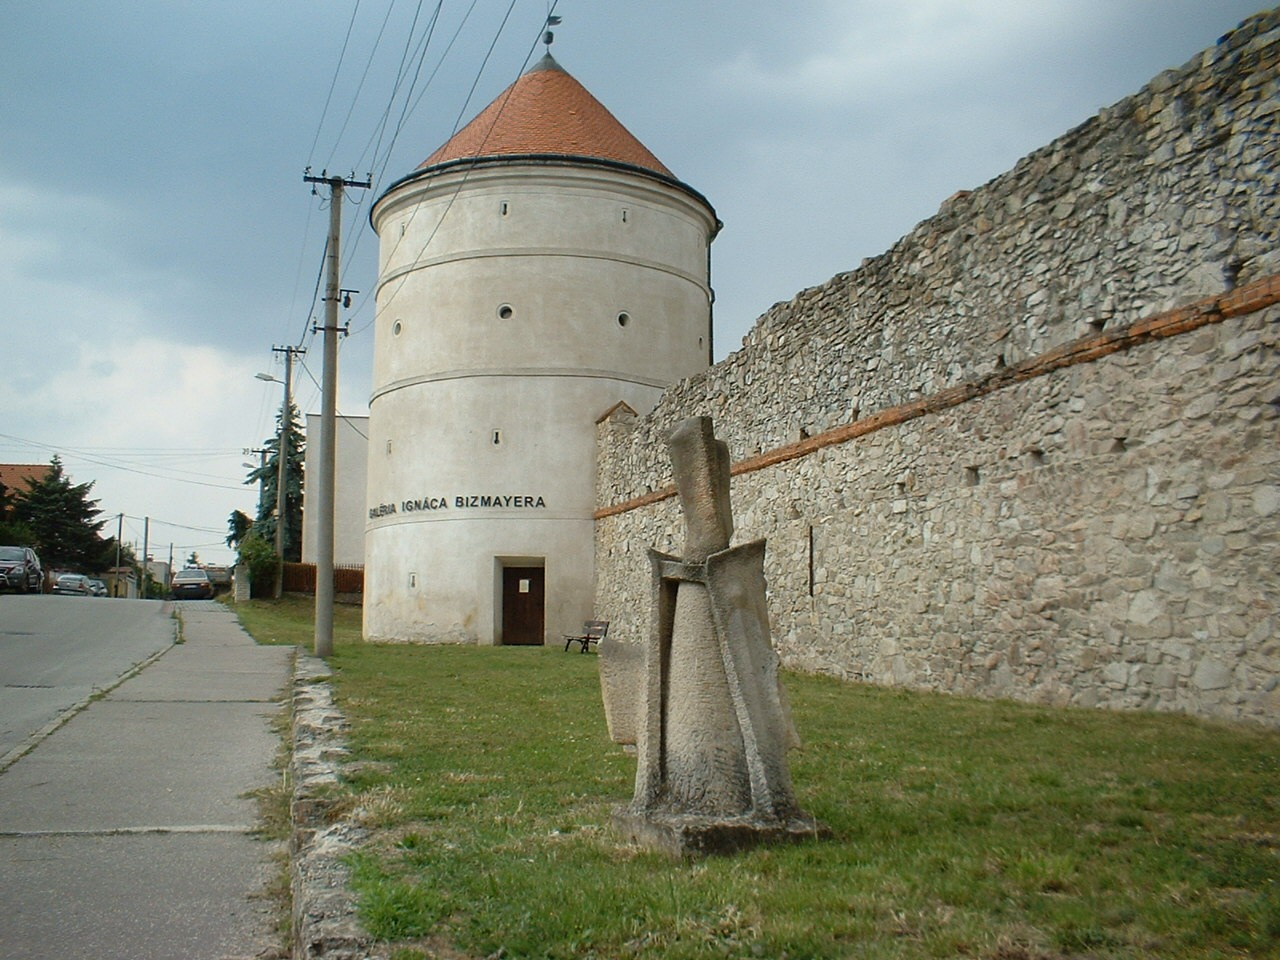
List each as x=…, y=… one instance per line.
x=301, y=578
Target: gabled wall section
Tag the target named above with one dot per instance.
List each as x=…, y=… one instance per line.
x=1032, y=450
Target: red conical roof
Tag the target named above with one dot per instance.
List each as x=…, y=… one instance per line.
x=547, y=112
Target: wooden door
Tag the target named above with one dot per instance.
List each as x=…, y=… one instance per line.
x=522, y=605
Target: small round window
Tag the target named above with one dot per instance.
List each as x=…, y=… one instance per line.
x=624, y=319
x=505, y=312
x=397, y=328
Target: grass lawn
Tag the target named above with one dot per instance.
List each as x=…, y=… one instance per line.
x=962, y=827
x=291, y=620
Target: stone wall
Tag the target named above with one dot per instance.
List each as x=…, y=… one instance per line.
x=1100, y=529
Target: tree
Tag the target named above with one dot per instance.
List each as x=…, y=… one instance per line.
x=127, y=556
x=107, y=554
x=238, y=526
x=259, y=558
x=265, y=524
x=63, y=521
x=12, y=531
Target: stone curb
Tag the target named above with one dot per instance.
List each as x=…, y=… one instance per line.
x=325, y=924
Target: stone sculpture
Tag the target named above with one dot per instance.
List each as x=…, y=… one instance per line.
x=713, y=725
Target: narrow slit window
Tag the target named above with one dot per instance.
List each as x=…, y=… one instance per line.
x=811, y=551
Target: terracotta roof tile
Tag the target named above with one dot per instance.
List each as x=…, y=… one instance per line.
x=547, y=111
x=14, y=476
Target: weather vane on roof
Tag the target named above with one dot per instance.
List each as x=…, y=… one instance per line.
x=548, y=38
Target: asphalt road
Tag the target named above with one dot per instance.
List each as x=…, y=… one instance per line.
x=57, y=652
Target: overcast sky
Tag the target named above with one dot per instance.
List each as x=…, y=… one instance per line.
x=157, y=239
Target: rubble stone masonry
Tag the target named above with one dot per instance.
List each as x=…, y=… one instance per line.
x=1031, y=451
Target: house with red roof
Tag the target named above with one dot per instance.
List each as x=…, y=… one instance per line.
x=15, y=478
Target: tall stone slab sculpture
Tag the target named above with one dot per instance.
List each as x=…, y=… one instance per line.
x=713, y=727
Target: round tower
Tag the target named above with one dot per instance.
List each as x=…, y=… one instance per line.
x=536, y=271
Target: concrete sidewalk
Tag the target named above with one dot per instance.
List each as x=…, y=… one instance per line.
x=126, y=834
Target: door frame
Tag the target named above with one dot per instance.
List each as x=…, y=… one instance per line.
x=500, y=565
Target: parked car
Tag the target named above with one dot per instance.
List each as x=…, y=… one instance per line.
x=191, y=584
x=20, y=570
x=99, y=588
x=73, y=585
x=220, y=575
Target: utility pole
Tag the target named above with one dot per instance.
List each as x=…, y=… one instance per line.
x=115, y=584
x=146, y=561
x=282, y=460
x=328, y=412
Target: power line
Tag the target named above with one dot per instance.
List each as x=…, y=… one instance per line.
x=405, y=56
x=386, y=157
x=75, y=454
x=375, y=139
x=405, y=116
x=315, y=295
x=409, y=104
x=139, y=451
x=170, y=523
x=333, y=84
x=302, y=257
x=342, y=416
x=419, y=55
x=467, y=172
x=355, y=97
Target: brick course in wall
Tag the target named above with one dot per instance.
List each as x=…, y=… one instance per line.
x=1031, y=450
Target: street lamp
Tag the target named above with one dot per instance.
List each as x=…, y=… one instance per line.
x=261, y=469
x=282, y=456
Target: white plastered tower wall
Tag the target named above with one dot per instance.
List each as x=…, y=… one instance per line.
x=519, y=299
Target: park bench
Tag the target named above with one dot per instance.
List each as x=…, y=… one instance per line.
x=593, y=631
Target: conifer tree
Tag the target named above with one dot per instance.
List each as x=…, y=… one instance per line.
x=12, y=532
x=238, y=526
x=63, y=520
x=265, y=523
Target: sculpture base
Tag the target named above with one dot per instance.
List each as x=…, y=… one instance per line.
x=686, y=835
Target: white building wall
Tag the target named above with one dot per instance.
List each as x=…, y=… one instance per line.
x=351, y=452
x=546, y=295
